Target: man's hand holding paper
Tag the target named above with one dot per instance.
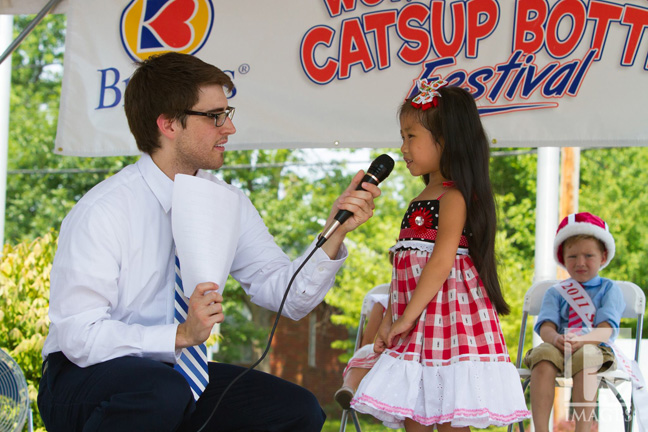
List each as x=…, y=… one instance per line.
x=205, y=311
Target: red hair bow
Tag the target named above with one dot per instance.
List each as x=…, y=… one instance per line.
x=427, y=97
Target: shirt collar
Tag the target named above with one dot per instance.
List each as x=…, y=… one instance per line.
x=157, y=181
x=595, y=281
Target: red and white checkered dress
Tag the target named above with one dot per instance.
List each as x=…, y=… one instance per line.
x=453, y=367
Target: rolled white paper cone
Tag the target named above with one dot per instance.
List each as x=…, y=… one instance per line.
x=205, y=223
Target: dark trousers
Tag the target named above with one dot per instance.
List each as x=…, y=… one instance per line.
x=137, y=394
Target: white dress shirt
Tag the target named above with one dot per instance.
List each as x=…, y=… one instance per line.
x=112, y=280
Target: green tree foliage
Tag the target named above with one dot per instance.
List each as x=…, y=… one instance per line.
x=42, y=186
x=613, y=185
x=513, y=176
x=24, y=302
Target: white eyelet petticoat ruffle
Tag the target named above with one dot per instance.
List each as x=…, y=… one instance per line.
x=463, y=393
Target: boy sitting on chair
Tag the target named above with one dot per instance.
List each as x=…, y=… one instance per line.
x=577, y=320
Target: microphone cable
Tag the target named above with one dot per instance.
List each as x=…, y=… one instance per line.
x=272, y=332
x=379, y=169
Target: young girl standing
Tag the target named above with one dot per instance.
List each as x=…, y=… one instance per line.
x=444, y=360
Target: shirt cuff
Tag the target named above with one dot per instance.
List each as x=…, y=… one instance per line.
x=538, y=325
x=316, y=278
x=325, y=267
x=321, y=256
x=158, y=343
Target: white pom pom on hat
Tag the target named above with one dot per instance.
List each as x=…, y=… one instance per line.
x=583, y=224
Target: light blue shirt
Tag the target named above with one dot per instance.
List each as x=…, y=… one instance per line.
x=606, y=296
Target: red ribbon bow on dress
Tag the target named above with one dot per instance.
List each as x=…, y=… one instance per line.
x=427, y=97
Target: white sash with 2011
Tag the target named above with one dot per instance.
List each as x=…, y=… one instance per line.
x=574, y=293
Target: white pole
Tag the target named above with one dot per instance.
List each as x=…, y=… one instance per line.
x=547, y=194
x=547, y=199
x=6, y=37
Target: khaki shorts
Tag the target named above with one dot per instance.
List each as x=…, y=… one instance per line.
x=589, y=356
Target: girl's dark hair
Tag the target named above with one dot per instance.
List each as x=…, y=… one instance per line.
x=465, y=157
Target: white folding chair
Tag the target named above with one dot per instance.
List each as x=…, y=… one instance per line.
x=635, y=300
x=367, y=304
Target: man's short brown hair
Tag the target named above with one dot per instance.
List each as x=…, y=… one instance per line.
x=166, y=84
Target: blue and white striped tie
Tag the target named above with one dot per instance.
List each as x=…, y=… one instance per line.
x=193, y=360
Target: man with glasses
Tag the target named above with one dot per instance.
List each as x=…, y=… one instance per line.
x=112, y=344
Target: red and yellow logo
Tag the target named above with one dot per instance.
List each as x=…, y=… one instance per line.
x=151, y=27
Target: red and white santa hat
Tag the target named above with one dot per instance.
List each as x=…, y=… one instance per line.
x=584, y=224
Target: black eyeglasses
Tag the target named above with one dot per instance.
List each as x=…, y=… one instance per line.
x=219, y=117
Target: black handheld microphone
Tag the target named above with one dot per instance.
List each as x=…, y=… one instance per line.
x=380, y=168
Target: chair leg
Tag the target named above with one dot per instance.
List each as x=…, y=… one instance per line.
x=343, y=422
x=354, y=416
x=520, y=427
x=631, y=419
x=627, y=413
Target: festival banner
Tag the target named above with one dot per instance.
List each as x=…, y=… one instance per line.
x=332, y=73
